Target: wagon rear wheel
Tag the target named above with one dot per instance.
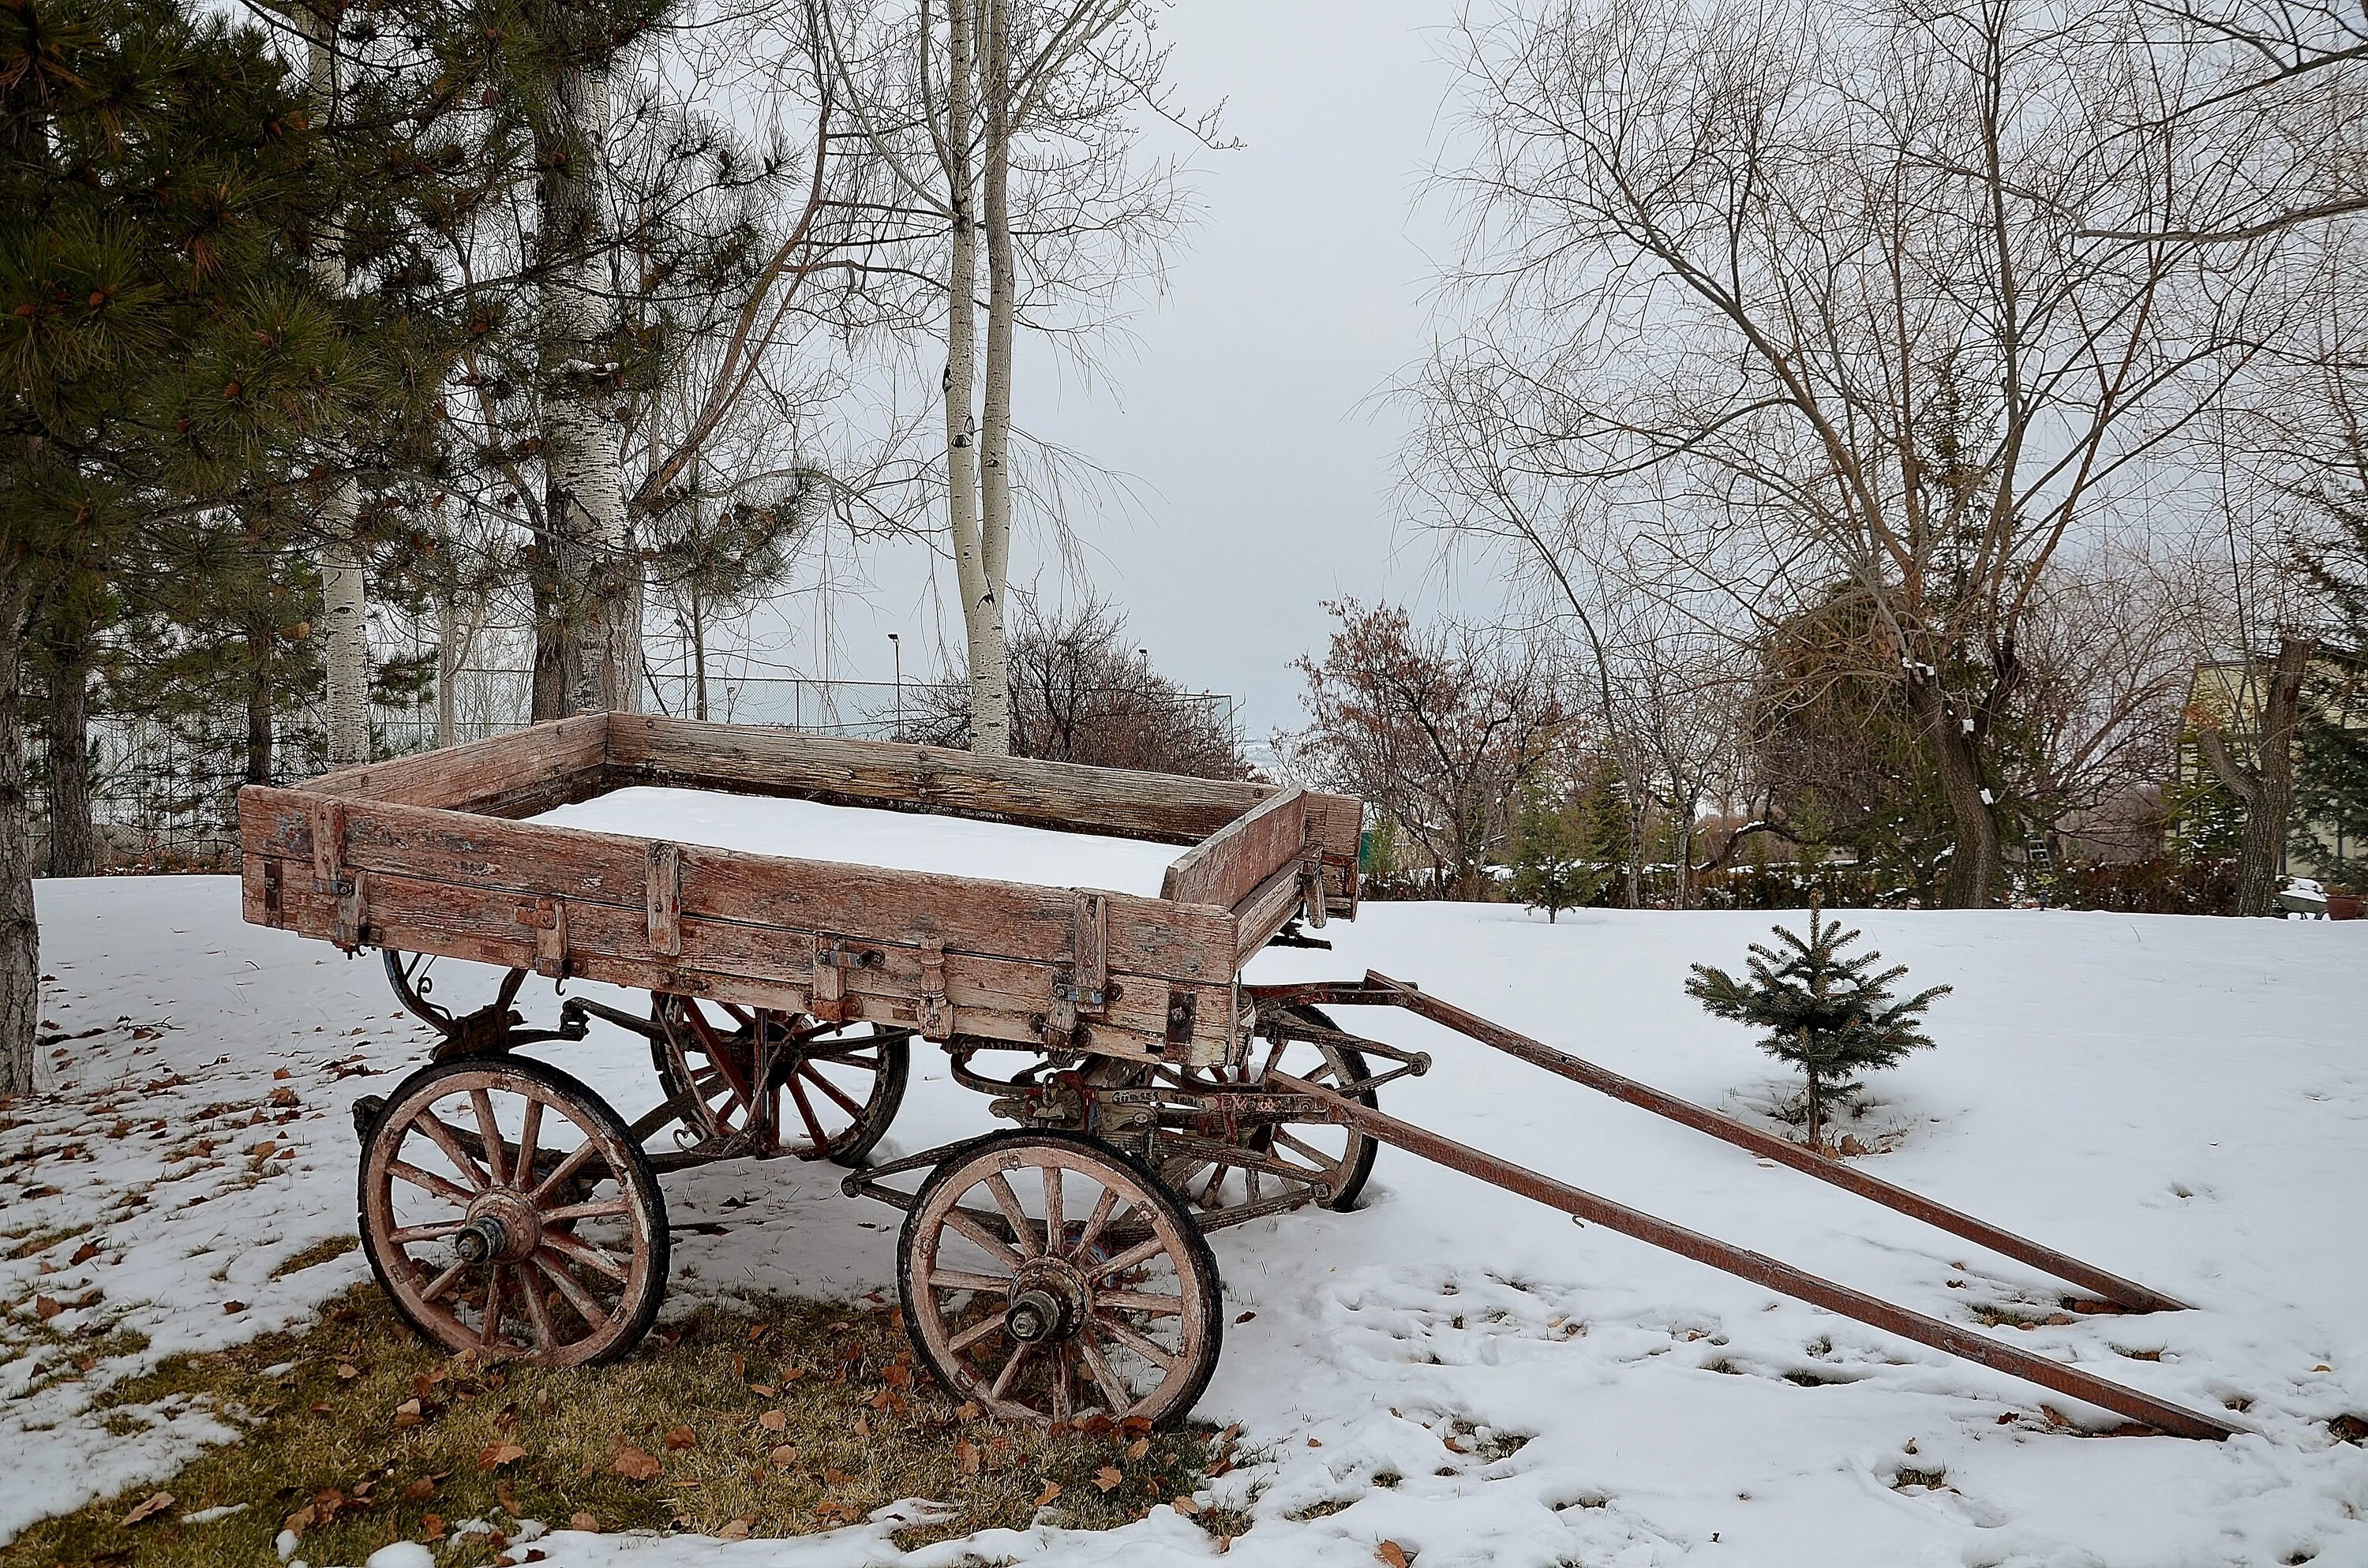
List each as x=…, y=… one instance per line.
x=1052, y=1278
x=828, y=1091
x=1328, y=1164
x=506, y=1209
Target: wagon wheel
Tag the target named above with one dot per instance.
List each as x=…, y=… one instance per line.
x=1052, y=1278
x=829, y=1092
x=505, y=1210
x=1332, y=1161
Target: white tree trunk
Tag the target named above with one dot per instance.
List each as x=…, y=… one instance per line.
x=594, y=576
x=989, y=728
x=990, y=655
x=345, y=594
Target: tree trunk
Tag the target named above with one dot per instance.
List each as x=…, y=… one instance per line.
x=979, y=606
x=698, y=651
x=1972, y=881
x=345, y=594
x=588, y=632
x=74, y=844
x=20, y=941
x=1684, y=829
x=1816, y=1107
x=991, y=719
x=2266, y=786
x=448, y=668
x=259, y=701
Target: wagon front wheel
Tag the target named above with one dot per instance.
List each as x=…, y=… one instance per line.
x=1052, y=1278
x=506, y=1209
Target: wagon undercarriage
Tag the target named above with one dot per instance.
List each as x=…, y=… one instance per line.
x=1055, y=1272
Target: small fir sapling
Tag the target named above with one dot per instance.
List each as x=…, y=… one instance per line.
x=1558, y=863
x=1825, y=1014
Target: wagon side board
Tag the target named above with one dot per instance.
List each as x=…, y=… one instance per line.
x=950, y=955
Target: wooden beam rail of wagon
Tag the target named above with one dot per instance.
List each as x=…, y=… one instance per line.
x=1380, y=990
x=1757, y=1268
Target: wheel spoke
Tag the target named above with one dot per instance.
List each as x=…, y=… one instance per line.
x=427, y=1180
x=1055, y=1223
x=1283, y=1136
x=1023, y=1230
x=600, y=1208
x=435, y=1232
x=806, y=1112
x=449, y=1141
x=443, y=1281
x=1010, y=1370
x=960, y=1279
x=1137, y=1301
x=489, y=1331
x=967, y=1225
x=555, y=1266
x=1150, y=1350
x=1061, y=1389
x=1106, y=1378
x=974, y=1332
x=590, y=1257
x=805, y=1070
x=566, y=1168
x=529, y=1134
x=1141, y=1251
x=1104, y=1206
x=490, y=1130
x=537, y=1314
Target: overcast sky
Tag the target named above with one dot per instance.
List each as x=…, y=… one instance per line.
x=1245, y=412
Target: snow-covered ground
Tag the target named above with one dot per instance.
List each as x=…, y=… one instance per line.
x=2182, y=1101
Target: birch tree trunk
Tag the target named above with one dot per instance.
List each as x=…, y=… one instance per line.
x=588, y=628
x=21, y=940
x=345, y=593
x=990, y=655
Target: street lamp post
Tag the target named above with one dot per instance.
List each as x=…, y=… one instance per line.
x=896, y=651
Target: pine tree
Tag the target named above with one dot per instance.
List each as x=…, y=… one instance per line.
x=1825, y=1014
x=1561, y=858
x=2331, y=737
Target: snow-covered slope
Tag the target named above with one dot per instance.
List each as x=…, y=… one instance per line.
x=2182, y=1101
x=904, y=841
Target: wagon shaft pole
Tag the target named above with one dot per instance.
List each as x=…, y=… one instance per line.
x=1381, y=990
x=1759, y=1268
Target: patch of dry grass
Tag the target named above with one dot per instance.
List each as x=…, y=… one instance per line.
x=765, y=1416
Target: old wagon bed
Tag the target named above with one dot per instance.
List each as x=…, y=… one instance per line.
x=890, y=840
x=430, y=854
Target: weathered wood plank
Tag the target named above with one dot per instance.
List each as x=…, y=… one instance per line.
x=653, y=749
x=538, y=860
x=994, y=997
x=526, y=764
x=1273, y=904
x=1230, y=864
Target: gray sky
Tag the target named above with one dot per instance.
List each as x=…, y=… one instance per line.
x=1245, y=411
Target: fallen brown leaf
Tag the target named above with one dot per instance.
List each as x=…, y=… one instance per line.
x=1139, y=1448
x=1052, y=1490
x=492, y=1456
x=1391, y=1552
x=348, y=1372
x=737, y=1529
x=303, y=1519
x=419, y=1490
x=156, y=1504
x=1108, y=1476
x=774, y=1421
x=83, y=1252
x=1185, y=1505
x=967, y=1455
x=681, y=1437
x=580, y=1520
x=636, y=1464
x=431, y=1527
x=47, y=1307
x=784, y=1456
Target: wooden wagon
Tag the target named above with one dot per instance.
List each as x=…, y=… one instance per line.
x=1056, y=1272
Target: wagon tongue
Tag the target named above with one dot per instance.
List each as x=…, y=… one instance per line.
x=1274, y=1003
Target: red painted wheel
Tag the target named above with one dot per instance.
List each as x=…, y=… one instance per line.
x=1050, y=1277
x=827, y=1090
x=505, y=1210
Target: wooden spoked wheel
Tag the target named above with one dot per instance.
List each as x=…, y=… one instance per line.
x=829, y=1090
x=1052, y=1278
x=505, y=1210
x=1326, y=1165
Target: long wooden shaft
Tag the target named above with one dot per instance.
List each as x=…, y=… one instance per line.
x=2125, y=1293
x=1759, y=1268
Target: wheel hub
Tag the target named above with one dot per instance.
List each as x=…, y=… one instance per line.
x=501, y=1227
x=1048, y=1302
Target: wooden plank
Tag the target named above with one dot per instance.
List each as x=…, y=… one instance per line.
x=998, y=998
x=1231, y=864
x=1274, y=904
x=526, y=764
x=648, y=748
x=662, y=899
